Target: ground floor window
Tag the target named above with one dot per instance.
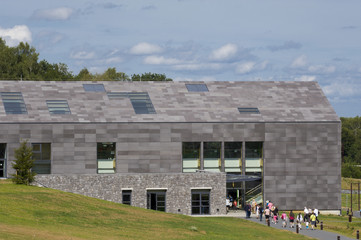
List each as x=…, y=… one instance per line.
x=127, y=197
x=106, y=157
x=200, y=202
x=2, y=160
x=156, y=200
x=42, y=158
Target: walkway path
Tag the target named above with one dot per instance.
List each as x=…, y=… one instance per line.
x=322, y=235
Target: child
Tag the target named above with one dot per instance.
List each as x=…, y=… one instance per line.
x=284, y=220
x=299, y=221
x=292, y=219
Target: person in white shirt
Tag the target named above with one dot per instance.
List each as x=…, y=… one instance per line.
x=306, y=211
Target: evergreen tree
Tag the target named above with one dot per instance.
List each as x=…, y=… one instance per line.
x=23, y=164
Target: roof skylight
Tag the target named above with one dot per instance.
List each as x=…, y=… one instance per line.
x=197, y=87
x=13, y=103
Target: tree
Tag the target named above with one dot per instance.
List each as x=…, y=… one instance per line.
x=150, y=77
x=23, y=164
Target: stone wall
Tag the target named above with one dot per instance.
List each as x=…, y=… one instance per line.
x=178, y=188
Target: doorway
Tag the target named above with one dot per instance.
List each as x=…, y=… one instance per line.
x=156, y=200
x=2, y=160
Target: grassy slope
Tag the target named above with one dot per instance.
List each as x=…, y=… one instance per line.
x=38, y=213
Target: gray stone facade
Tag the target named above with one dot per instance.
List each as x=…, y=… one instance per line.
x=178, y=188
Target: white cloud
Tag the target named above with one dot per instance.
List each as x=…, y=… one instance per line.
x=160, y=60
x=301, y=61
x=13, y=36
x=62, y=13
x=322, y=69
x=342, y=89
x=305, y=78
x=225, y=52
x=246, y=67
x=82, y=55
x=114, y=60
x=145, y=48
x=197, y=66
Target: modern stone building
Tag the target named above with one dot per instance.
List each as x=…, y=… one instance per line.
x=178, y=147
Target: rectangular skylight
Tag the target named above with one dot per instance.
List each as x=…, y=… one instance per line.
x=116, y=95
x=58, y=106
x=141, y=103
x=94, y=87
x=13, y=103
x=248, y=110
x=197, y=87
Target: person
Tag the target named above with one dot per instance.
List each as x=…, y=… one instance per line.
x=228, y=204
x=316, y=214
x=284, y=220
x=267, y=213
x=247, y=209
x=292, y=219
x=257, y=211
x=313, y=220
x=254, y=206
x=306, y=219
x=260, y=212
x=275, y=214
x=299, y=221
x=270, y=205
x=305, y=210
x=235, y=204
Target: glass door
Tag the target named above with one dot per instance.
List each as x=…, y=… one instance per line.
x=2, y=160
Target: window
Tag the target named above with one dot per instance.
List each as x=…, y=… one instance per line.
x=191, y=156
x=106, y=157
x=248, y=110
x=116, y=95
x=141, y=103
x=13, y=103
x=233, y=156
x=94, y=87
x=42, y=158
x=197, y=87
x=58, y=106
x=156, y=200
x=200, y=202
x=212, y=156
x=127, y=197
x=2, y=160
x=254, y=158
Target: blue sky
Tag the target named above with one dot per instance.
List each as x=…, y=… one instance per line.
x=205, y=40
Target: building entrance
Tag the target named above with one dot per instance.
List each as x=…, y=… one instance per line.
x=2, y=160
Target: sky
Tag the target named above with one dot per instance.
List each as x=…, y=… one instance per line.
x=200, y=40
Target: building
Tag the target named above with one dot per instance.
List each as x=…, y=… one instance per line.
x=179, y=147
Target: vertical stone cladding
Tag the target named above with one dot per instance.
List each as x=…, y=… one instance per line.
x=178, y=187
x=303, y=165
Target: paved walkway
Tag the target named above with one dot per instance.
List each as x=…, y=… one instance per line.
x=322, y=235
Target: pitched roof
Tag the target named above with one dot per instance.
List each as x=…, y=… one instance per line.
x=172, y=101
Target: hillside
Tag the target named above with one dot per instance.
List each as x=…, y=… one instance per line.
x=29, y=212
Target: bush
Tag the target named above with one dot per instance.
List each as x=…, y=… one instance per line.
x=23, y=164
x=350, y=170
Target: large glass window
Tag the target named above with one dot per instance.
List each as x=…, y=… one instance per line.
x=127, y=197
x=197, y=87
x=58, y=106
x=200, y=202
x=2, y=160
x=13, y=103
x=156, y=200
x=94, y=87
x=212, y=156
x=191, y=156
x=42, y=158
x=254, y=157
x=106, y=157
x=233, y=156
x=141, y=103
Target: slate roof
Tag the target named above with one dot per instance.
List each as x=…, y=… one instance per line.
x=276, y=101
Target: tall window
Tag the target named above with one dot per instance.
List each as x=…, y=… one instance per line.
x=2, y=160
x=233, y=156
x=42, y=158
x=191, y=156
x=200, y=202
x=106, y=157
x=212, y=156
x=127, y=197
x=156, y=200
x=254, y=157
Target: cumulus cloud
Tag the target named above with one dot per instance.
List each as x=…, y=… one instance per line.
x=114, y=60
x=245, y=67
x=54, y=14
x=13, y=36
x=285, y=46
x=321, y=69
x=160, y=60
x=300, y=61
x=82, y=55
x=305, y=78
x=145, y=48
x=225, y=52
x=342, y=89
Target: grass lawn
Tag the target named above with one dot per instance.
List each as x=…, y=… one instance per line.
x=29, y=212
x=340, y=224
x=346, y=183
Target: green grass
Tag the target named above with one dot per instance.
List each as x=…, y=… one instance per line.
x=346, y=183
x=29, y=212
x=340, y=224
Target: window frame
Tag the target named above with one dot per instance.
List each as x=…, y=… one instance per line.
x=201, y=207
x=41, y=161
x=14, y=103
x=55, y=110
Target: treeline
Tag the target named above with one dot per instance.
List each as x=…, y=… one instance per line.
x=22, y=63
x=351, y=147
